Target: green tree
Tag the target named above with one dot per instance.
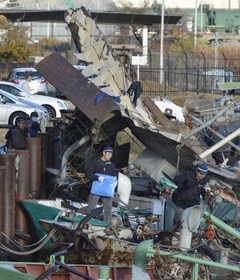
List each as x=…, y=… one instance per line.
x=186, y=44
x=14, y=42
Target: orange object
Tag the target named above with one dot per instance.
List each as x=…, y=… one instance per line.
x=210, y=233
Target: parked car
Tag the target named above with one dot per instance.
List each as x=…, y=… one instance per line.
x=38, y=83
x=54, y=106
x=11, y=107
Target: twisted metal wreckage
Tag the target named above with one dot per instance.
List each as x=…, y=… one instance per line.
x=142, y=238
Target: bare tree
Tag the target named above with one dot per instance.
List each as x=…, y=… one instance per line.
x=128, y=7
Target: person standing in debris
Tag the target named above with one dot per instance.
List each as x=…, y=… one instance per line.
x=191, y=185
x=101, y=165
x=35, y=127
x=16, y=136
x=135, y=89
x=26, y=85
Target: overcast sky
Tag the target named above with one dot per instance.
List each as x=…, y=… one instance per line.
x=224, y=4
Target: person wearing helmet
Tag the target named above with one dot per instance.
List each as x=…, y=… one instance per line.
x=191, y=185
x=16, y=136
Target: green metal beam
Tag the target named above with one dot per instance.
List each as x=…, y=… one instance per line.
x=145, y=249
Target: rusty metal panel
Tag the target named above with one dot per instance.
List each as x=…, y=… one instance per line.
x=76, y=87
x=114, y=252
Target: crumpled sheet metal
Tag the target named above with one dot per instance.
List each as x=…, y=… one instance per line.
x=77, y=88
x=94, y=48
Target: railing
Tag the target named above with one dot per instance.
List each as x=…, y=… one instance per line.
x=182, y=73
x=187, y=73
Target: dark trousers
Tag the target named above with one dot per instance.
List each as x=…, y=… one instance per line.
x=107, y=205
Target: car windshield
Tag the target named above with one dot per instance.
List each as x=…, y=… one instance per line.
x=23, y=75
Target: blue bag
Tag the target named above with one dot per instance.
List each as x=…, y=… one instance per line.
x=106, y=188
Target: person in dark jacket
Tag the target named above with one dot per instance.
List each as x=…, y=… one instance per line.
x=101, y=165
x=16, y=136
x=191, y=185
x=35, y=127
x=28, y=126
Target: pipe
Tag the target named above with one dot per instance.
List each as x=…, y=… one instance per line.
x=195, y=24
x=162, y=41
x=190, y=220
x=34, y=147
x=21, y=191
x=103, y=273
x=158, y=114
x=220, y=144
x=124, y=189
x=8, y=197
x=145, y=250
x=145, y=44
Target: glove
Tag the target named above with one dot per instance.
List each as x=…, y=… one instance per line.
x=207, y=188
x=100, y=179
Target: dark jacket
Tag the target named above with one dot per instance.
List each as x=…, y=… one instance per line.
x=96, y=165
x=16, y=138
x=189, y=189
x=34, y=129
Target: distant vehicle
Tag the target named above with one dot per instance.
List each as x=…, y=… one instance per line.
x=38, y=84
x=54, y=106
x=170, y=109
x=11, y=107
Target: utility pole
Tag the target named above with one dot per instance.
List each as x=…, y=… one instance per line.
x=195, y=24
x=161, y=42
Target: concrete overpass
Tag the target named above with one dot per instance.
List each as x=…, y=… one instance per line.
x=23, y=15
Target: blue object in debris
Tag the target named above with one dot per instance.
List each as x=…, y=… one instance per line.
x=105, y=188
x=102, y=94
